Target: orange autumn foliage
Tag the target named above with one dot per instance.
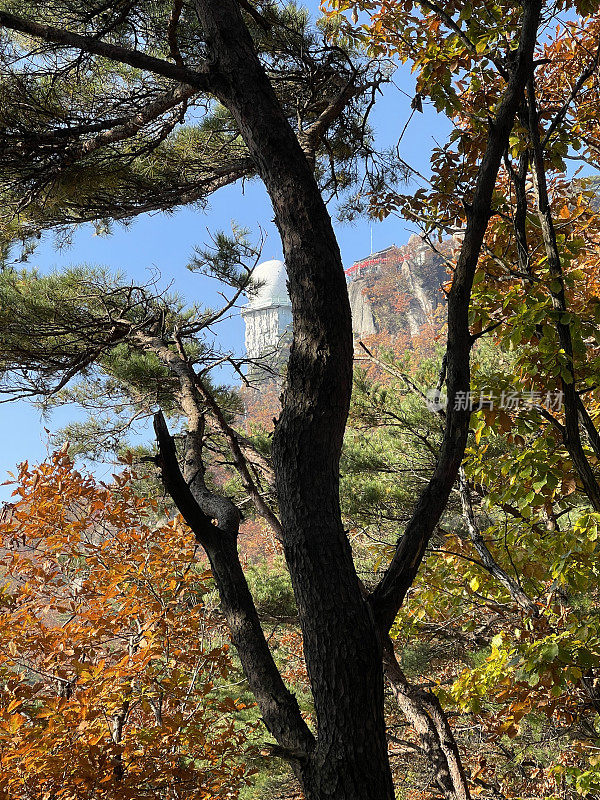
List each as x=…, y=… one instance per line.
x=109, y=659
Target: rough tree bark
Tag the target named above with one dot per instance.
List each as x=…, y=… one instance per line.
x=340, y=644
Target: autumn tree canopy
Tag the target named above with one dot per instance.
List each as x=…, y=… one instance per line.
x=110, y=660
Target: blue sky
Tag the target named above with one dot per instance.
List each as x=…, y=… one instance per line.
x=165, y=243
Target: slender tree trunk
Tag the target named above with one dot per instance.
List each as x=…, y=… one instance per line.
x=388, y=596
x=424, y=712
x=572, y=401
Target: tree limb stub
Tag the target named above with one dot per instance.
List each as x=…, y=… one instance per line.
x=278, y=706
x=240, y=461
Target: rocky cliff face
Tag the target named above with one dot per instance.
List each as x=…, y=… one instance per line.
x=363, y=321
x=394, y=291
x=397, y=290
x=423, y=272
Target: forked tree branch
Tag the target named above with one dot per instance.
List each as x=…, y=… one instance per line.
x=255, y=14
x=239, y=461
x=452, y=25
x=487, y=560
x=178, y=489
x=561, y=114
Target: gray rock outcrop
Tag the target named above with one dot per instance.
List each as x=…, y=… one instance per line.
x=363, y=321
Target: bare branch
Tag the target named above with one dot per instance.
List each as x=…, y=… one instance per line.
x=487, y=560
x=239, y=461
x=277, y=704
x=200, y=80
x=169, y=100
x=585, y=75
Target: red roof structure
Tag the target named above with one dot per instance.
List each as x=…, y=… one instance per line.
x=372, y=263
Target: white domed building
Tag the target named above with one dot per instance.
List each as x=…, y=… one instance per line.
x=268, y=314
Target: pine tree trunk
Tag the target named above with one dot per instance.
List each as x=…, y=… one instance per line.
x=343, y=657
